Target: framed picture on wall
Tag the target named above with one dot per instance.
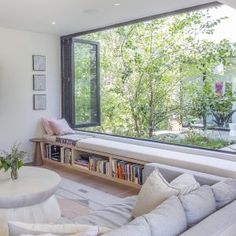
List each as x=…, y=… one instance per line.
x=39, y=82
x=39, y=101
x=39, y=63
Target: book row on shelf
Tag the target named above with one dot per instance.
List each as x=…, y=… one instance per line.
x=85, y=161
x=93, y=163
x=127, y=171
x=59, y=154
x=100, y=164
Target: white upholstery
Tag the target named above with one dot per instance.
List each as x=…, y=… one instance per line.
x=171, y=172
x=156, y=189
x=148, y=154
x=45, y=212
x=220, y=223
x=19, y=228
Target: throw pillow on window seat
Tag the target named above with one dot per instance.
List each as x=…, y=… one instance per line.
x=47, y=127
x=61, y=127
x=56, y=127
x=156, y=190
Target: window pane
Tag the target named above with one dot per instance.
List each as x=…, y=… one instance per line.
x=171, y=79
x=86, y=81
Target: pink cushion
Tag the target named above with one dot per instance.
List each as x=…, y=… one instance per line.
x=60, y=127
x=47, y=126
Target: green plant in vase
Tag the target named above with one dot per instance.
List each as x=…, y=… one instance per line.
x=12, y=161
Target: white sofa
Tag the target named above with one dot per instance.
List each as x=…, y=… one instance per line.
x=118, y=216
x=220, y=223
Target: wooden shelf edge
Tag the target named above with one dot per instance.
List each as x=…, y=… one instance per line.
x=107, y=177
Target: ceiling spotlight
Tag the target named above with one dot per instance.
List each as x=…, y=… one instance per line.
x=53, y=23
x=117, y=4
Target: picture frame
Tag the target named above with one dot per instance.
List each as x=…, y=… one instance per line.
x=39, y=101
x=39, y=82
x=39, y=63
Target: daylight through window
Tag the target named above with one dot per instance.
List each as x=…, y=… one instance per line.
x=170, y=79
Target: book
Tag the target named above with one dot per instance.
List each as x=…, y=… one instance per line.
x=67, y=156
x=127, y=171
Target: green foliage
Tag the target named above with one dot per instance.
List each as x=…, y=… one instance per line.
x=152, y=71
x=12, y=159
x=221, y=108
x=195, y=139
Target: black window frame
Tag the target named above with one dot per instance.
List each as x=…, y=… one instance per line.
x=68, y=82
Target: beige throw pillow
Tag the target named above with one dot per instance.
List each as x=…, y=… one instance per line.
x=154, y=191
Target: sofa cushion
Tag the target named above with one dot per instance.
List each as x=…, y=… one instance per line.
x=19, y=228
x=220, y=223
x=225, y=192
x=111, y=216
x=90, y=232
x=137, y=227
x=154, y=191
x=168, y=219
x=186, y=183
x=198, y=204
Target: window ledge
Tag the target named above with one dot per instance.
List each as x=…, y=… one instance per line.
x=196, y=162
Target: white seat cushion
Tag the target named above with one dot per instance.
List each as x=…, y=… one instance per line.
x=201, y=163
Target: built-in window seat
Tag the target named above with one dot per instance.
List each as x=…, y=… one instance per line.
x=195, y=162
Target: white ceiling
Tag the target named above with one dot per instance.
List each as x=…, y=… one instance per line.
x=79, y=15
x=231, y=3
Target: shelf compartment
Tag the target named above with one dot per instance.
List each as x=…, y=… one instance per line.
x=127, y=171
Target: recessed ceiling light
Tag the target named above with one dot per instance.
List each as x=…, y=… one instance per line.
x=53, y=22
x=117, y=4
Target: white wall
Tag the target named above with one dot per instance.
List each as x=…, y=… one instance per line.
x=18, y=121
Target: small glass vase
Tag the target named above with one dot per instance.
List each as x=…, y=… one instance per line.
x=14, y=173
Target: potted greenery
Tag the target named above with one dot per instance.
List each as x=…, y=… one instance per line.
x=12, y=161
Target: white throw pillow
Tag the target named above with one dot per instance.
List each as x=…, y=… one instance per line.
x=186, y=183
x=198, y=204
x=19, y=229
x=94, y=231
x=168, y=219
x=154, y=191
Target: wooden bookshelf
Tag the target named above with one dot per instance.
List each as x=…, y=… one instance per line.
x=95, y=163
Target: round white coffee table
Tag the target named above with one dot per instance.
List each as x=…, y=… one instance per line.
x=30, y=198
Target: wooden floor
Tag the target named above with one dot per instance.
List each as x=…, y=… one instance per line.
x=93, y=181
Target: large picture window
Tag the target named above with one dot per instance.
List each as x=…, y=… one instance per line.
x=168, y=79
